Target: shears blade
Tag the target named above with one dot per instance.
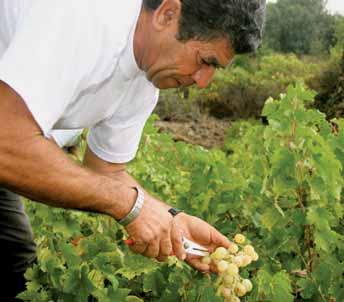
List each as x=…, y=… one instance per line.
x=194, y=248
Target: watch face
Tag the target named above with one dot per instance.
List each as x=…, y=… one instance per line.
x=174, y=211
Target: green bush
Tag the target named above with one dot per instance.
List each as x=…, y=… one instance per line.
x=241, y=93
x=330, y=85
x=240, y=90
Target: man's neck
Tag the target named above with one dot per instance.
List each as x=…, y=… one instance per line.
x=139, y=38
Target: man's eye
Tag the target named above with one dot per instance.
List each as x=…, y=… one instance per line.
x=205, y=62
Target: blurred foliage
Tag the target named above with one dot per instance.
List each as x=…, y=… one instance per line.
x=339, y=33
x=300, y=26
x=330, y=98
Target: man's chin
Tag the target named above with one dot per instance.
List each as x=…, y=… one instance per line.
x=165, y=84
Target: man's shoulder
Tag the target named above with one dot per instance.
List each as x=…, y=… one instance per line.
x=115, y=19
x=117, y=14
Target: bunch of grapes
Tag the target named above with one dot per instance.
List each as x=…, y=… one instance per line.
x=230, y=284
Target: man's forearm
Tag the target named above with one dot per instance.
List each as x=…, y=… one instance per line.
x=41, y=171
x=115, y=171
x=127, y=179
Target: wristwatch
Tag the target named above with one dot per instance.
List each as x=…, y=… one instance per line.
x=174, y=212
x=136, y=209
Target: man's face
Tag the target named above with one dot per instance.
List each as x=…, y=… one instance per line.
x=181, y=64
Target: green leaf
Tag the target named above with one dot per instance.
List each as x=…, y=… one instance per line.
x=136, y=265
x=110, y=294
x=308, y=288
x=133, y=299
x=281, y=288
x=275, y=287
x=271, y=217
x=77, y=282
x=154, y=282
x=325, y=238
x=69, y=254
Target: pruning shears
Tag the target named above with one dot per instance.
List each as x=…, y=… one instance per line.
x=194, y=248
x=189, y=246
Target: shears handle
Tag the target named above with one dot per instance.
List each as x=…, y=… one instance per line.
x=129, y=242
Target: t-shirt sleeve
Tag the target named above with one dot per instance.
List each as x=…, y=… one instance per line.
x=66, y=138
x=53, y=56
x=116, y=140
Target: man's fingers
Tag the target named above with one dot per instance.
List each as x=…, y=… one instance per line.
x=176, y=236
x=166, y=248
x=161, y=258
x=197, y=264
x=153, y=249
x=138, y=247
x=218, y=239
x=213, y=268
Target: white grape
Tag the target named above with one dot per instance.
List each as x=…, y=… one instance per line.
x=239, y=238
x=238, y=260
x=240, y=290
x=233, y=248
x=249, y=250
x=229, y=280
x=226, y=292
x=220, y=253
x=248, y=285
x=232, y=269
x=206, y=260
x=222, y=266
x=246, y=260
x=255, y=257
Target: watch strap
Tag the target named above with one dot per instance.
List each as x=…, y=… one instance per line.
x=174, y=212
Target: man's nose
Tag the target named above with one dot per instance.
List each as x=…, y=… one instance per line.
x=203, y=76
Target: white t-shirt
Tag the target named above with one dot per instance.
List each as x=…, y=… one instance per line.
x=66, y=138
x=72, y=62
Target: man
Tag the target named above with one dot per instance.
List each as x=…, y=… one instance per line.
x=98, y=65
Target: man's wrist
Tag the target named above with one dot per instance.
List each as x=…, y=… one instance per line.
x=135, y=209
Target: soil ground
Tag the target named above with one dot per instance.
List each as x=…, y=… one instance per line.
x=207, y=131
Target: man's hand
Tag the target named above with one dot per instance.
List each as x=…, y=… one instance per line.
x=201, y=232
x=155, y=233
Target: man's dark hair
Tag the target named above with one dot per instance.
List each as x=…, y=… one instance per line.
x=240, y=21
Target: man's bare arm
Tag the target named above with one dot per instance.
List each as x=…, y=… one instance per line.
x=115, y=171
x=36, y=168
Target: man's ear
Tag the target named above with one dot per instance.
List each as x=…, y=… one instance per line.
x=167, y=14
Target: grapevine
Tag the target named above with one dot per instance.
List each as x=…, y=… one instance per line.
x=282, y=184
